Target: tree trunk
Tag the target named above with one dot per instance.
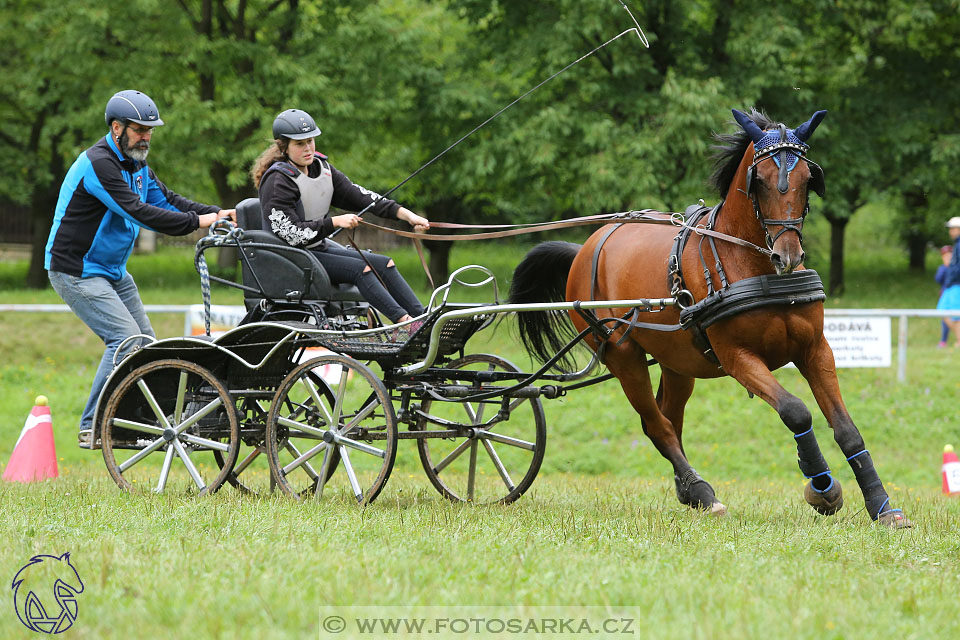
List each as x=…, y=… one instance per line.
x=917, y=250
x=917, y=206
x=229, y=198
x=838, y=227
x=439, y=262
x=43, y=202
x=42, y=221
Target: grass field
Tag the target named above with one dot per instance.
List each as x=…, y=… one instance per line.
x=600, y=527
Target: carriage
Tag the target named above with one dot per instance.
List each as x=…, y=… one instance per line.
x=736, y=300
x=312, y=385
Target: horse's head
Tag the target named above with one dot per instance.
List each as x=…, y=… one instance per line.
x=779, y=185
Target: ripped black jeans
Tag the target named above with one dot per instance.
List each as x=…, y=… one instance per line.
x=345, y=266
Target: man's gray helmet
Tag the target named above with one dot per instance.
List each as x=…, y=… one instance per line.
x=295, y=125
x=132, y=106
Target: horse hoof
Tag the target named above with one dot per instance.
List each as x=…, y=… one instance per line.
x=894, y=520
x=718, y=509
x=694, y=491
x=827, y=502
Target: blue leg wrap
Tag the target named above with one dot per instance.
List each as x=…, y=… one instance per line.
x=874, y=496
x=811, y=461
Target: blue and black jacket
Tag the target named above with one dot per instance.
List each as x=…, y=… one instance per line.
x=104, y=200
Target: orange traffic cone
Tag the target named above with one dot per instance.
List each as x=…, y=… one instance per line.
x=34, y=456
x=951, y=471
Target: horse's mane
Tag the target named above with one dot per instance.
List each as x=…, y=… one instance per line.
x=729, y=150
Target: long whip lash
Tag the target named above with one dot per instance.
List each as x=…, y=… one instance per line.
x=635, y=29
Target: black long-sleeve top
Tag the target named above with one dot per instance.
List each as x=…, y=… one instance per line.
x=280, y=195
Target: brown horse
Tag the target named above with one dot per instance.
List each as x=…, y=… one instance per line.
x=764, y=175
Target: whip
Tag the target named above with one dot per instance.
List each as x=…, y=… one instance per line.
x=635, y=29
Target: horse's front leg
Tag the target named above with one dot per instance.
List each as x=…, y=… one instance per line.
x=823, y=491
x=819, y=368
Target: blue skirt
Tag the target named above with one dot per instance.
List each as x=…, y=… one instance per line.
x=950, y=299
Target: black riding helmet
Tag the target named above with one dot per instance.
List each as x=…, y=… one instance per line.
x=132, y=106
x=295, y=124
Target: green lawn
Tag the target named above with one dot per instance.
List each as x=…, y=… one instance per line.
x=600, y=526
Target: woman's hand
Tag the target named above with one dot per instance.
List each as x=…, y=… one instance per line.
x=419, y=223
x=346, y=221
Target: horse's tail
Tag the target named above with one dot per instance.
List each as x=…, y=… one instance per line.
x=542, y=277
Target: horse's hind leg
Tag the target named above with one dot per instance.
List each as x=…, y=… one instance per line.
x=820, y=372
x=628, y=363
x=823, y=491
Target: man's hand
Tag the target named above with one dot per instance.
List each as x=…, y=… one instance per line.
x=208, y=219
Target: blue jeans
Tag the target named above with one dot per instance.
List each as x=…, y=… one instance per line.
x=113, y=311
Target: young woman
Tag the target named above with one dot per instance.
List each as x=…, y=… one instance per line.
x=298, y=186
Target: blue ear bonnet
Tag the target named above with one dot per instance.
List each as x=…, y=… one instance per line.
x=772, y=138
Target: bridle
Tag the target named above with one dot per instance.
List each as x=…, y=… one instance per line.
x=780, y=151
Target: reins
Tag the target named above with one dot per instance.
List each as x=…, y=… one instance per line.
x=646, y=216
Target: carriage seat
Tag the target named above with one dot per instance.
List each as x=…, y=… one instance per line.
x=287, y=274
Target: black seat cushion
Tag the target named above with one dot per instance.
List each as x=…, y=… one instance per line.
x=282, y=272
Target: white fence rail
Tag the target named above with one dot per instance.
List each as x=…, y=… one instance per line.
x=902, y=316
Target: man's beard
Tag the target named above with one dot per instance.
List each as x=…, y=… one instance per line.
x=137, y=152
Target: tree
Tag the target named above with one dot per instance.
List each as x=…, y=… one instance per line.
x=45, y=112
x=220, y=71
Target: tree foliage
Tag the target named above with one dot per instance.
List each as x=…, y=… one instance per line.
x=395, y=82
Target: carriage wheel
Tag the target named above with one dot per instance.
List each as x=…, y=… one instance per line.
x=251, y=473
x=488, y=464
x=309, y=430
x=161, y=425
x=251, y=460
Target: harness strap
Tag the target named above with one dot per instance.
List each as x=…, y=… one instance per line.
x=596, y=259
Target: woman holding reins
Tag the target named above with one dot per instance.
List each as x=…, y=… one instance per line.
x=298, y=186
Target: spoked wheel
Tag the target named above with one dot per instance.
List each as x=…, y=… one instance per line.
x=162, y=423
x=251, y=473
x=493, y=460
x=332, y=409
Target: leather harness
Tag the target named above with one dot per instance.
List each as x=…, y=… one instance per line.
x=797, y=287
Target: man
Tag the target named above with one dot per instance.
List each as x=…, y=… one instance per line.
x=108, y=194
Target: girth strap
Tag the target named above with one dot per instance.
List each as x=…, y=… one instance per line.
x=596, y=258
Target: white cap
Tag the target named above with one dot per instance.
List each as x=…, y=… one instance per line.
x=953, y=222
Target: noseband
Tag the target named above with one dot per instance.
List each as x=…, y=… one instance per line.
x=780, y=151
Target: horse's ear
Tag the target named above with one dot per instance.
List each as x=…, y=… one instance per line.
x=804, y=131
x=755, y=132
x=816, y=183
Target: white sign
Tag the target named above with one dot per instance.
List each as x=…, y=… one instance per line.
x=222, y=319
x=859, y=341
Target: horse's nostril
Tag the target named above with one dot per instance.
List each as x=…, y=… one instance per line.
x=803, y=257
